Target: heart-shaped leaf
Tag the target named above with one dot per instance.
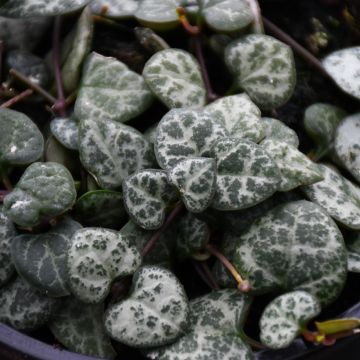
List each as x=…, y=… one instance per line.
x=285, y=317
x=174, y=76
x=66, y=131
x=115, y=8
x=147, y=195
x=31, y=8
x=239, y=115
x=264, y=68
x=277, y=130
x=41, y=259
x=21, y=142
x=44, y=190
x=185, y=133
x=295, y=167
x=195, y=180
x=353, y=248
x=295, y=246
x=80, y=328
x=112, y=151
x=246, y=174
x=97, y=256
x=347, y=140
x=338, y=196
x=110, y=90
x=155, y=313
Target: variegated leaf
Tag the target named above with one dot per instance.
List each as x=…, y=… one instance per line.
x=115, y=8
x=66, y=131
x=174, y=76
x=285, y=318
x=246, y=174
x=147, y=195
x=195, y=179
x=155, y=312
x=347, y=144
x=353, y=248
x=339, y=197
x=44, y=190
x=110, y=90
x=111, y=151
x=80, y=328
x=277, y=130
x=264, y=68
x=295, y=246
x=184, y=134
x=239, y=115
x=41, y=259
x=98, y=256
x=150, y=133
x=295, y=167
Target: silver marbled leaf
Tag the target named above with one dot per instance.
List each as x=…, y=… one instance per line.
x=66, y=131
x=115, y=8
x=277, y=130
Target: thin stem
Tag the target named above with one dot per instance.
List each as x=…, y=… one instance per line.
x=209, y=275
x=7, y=183
x=202, y=274
x=17, y=98
x=253, y=343
x=257, y=25
x=243, y=285
x=191, y=29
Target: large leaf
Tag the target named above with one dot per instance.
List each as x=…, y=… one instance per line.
x=97, y=256
x=185, y=133
x=147, y=195
x=112, y=151
x=110, y=90
x=80, y=328
x=66, y=131
x=285, y=318
x=277, y=130
x=246, y=174
x=174, y=76
x=41, y=259
x=115, y=8
x=44, y=190
x=338, y=196
x=295, y=246
x=264, y=68
x=155, y=313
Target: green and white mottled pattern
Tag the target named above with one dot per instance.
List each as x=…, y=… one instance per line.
x=41, y=259
x=7, y=233
x=264, y=68
x=154, y=314
x=98, y=256
x=111, y=151
x=353, y=248
x=239, y=115
x=285, y=317
x=150, y=133
x=21, y=142
x=347, y=144
x=343, y=66
x=339, y=197
x=31, y=8
x=195, y=179
x=110, y=90
x=80, y=327
x=184, y=134
x=147, y=195
x=174, y=76
x=115, y=8
x=24, y=308
x=295, y=246
x=226, y=15
x=66, y=131
x=277, y=130
x=246, y=174
x=44, y=190
x=295, y=167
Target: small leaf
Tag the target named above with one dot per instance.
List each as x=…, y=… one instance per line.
x=114, y=8
x=41, y=259
x=174, y=76
x=112, y=151
x=98, y=256
x=80, y=328
x=66, y=131
x=284, y=318
x=195, y=180
x=147, y=195
x=338, y=196
x=239, y=115
x=277, y=130
x=264, y=68
x=155, y=313
x=110, y=90
x=246, y=174
x=353, y=248
x=44, y=190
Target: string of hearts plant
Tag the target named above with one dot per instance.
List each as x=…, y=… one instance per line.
x=97, y=215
